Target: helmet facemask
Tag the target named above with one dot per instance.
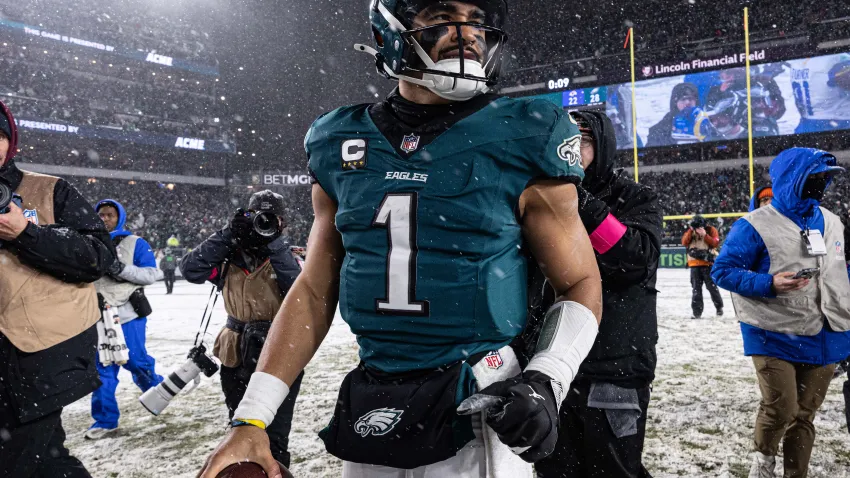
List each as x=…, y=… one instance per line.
x=472, y=70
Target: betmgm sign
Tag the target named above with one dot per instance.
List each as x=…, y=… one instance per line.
x=285, y=179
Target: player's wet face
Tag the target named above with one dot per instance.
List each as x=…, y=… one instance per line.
x=721, y=121
x=765, y=201
x=109, y=216
x=442, y=43
x=686, y=102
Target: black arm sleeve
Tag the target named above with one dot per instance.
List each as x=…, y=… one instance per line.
x=285, y=266
x=204, y=262
x=76, y=249
x=635, y=256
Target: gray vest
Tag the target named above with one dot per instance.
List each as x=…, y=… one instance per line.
x=117, y=293
x=827, y=296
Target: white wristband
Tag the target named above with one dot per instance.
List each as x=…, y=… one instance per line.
x=568, y=332
x=264, y=396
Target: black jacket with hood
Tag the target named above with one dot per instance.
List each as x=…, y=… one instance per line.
x=204, y=263
x=76, y=249
x=628, y=258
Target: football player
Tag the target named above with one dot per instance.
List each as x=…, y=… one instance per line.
x=822, y=92
x=422, y=205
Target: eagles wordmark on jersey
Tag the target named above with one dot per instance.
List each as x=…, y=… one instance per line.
x=433, y=270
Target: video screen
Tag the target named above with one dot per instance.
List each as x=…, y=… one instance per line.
x=809, y=95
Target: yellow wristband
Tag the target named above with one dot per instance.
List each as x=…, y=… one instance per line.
x=247, y=421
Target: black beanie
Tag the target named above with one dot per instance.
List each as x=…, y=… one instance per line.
x=266, y=201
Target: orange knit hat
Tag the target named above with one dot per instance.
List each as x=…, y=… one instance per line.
x=765, y=193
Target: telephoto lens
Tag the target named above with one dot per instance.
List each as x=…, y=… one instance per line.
x=5, y=197
x=157, y=398
x=265, y=224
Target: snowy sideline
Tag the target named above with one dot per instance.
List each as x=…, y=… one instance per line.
x=700, y=418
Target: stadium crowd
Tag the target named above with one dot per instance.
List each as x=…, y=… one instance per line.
x=123, y=156
x=660, y=24
x=130, y=25
x=833, y=141
x=189, y=212
x=192, y=212
x=46, y=92
x=721, y=191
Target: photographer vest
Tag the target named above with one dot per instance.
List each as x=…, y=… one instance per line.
x=248, y=297
x=827, y=296
x=697, y=243
x=117, y=293
x=38, y=311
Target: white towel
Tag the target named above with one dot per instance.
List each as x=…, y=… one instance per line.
x=104, y=354
x=114, y=334
x=501, y=461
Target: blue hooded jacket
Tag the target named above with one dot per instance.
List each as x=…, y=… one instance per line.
x=743, y=264
x=143, y=255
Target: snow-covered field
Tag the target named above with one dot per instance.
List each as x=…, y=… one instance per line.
x=700, y=419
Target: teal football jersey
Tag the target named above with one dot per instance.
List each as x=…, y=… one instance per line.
x=433, y=270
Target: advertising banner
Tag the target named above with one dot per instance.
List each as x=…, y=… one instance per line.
x=149, y=56
x=673, y=258
x=113, y=134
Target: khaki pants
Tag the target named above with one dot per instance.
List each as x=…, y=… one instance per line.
x=791, y=393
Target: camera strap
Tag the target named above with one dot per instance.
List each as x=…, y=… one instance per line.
x=208, y=311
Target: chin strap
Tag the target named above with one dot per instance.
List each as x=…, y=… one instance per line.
x=430, y=84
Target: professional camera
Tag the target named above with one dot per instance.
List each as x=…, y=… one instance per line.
x=265, y=223
x=157, y=398
x=698, y=222
x=7, y=196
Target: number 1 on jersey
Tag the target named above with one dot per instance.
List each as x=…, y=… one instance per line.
x=397, y=213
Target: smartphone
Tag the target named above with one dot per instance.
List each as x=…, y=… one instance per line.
x=807, y=273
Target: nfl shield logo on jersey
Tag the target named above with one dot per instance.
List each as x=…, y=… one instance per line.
x=493, y=360
x=410, y=143
x=31, y=215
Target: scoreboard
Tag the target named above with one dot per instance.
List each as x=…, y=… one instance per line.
x=574, y=99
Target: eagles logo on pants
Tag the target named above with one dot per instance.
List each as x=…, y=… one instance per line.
x=378, y=422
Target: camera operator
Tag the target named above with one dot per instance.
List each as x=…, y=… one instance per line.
x=702, y=241
x=123, y=289
x=52, y=248
x=256, y=271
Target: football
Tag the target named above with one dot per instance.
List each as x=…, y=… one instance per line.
x=249, y=469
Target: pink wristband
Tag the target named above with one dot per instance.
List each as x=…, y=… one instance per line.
x=607, y=234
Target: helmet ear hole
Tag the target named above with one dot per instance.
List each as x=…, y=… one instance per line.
x=379, y=39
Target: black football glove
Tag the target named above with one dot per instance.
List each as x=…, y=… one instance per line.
x=244, y=235
x=522, y=411
x=592, y=211
x=241, y=226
